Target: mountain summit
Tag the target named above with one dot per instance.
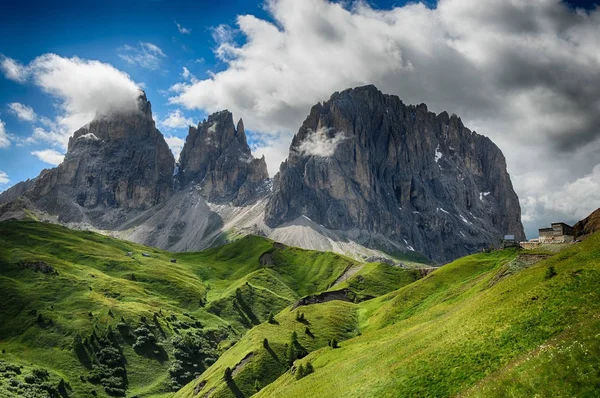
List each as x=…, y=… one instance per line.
x=366, y=164
x=116, y=164
x=217, y=157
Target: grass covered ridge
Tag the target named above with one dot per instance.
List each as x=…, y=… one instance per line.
x=463, y=330
x=76, y=305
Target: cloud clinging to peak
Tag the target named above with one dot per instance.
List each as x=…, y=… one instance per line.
x=321, y=143
x=80, y=88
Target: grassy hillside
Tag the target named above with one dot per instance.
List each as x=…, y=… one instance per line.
x=78, y=307
x=479, y=327
x=86, y=315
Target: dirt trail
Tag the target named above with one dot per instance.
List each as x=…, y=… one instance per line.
x=348, y=273
x=237, y=369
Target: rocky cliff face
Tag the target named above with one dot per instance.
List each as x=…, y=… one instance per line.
x=589, y=225
x=217, y=157
x=120, y=161
x=365, y=163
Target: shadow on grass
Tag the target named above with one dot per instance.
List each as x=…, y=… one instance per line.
x=160, y=329
x=272, y=353
x=83, y=356
x=153, y=351
x=234, y=389
x=247, y=311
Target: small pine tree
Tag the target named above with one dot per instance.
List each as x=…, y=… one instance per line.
x=333, y=343
x=300, y=372
x=271, y=318
x=292, y=354
x=309, y=368
x=550, y=272
x=265, y=343
x=301, y=317
x=256, y=385
x=227, y=375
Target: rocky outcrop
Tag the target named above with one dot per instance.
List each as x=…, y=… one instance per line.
x=367, y=164
x=589, y=225
x=118, y=161
x=216, y=156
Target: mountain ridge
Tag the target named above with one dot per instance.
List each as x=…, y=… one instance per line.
x=385, y=184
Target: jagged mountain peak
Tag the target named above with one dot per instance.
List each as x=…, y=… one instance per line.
x=216, y=156
x=367, y=164
x=117, y=163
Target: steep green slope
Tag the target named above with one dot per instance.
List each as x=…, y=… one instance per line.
x=473, y=328
x=255, y=364
x=78, y=305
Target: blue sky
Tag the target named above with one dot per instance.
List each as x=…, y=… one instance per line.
x=518, y=72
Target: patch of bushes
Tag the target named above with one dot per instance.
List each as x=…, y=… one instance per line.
x=304, y=371
x=144, y=338
x=108, y=367
x=192, y=353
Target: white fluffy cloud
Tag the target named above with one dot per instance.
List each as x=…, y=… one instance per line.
x=176, y=144
x=49, y=156
x=182, y=29
x=4, y=141
x=81, y=88
x=146, y=55
x=12, y=69
x=274, y=147
x=176, y=120
x=23, y=112
x=523, y=73
x=321, y=143
x=3, y=178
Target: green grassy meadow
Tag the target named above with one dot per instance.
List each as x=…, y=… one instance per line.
x=224, y=322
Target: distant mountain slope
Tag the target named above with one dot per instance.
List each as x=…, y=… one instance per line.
x=505, y=323
x=365, y=163
x=588, y=225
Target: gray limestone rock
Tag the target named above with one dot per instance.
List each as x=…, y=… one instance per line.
x=365, y=161
x=217, y=157
x=117, y=164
